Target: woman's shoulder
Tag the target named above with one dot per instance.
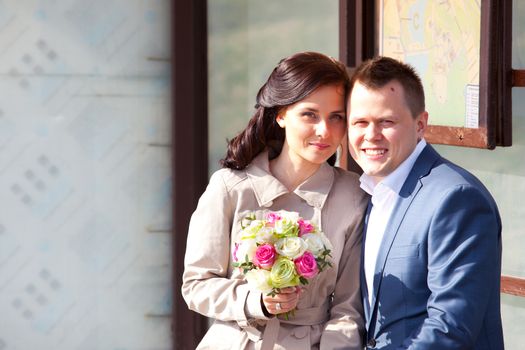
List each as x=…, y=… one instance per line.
x=346, y=183
x=345, y=177
x=229, y=177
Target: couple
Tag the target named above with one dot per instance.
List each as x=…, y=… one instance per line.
x=416, y=255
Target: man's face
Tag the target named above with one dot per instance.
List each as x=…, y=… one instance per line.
x=381, y=130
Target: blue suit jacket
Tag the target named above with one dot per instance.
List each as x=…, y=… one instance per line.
x=437, y=276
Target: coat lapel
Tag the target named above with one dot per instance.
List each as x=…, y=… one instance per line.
x=411, y=187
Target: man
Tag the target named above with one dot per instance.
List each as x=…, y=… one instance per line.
x=432, y=245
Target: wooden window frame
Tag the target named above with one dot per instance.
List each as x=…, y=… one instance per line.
x=190, y=149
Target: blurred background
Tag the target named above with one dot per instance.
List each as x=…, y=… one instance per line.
x=86, y=150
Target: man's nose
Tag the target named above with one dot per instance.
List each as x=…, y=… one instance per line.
x=372, y=132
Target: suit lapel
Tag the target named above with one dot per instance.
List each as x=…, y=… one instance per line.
x=364, y=287
x=411, y=187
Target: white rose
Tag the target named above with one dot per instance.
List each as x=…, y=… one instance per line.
x=315, y=243
x=291, y=247
x=265, y=235
x=259, y=279
x=246, y=247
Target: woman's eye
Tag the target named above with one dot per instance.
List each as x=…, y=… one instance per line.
x=309, y=115
x=338, y=117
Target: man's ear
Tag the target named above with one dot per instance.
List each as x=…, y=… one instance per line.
x=422, y=123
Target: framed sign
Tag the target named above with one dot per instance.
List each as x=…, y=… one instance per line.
x=460, y=48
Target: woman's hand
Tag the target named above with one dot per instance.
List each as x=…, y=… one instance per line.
x=283, y=302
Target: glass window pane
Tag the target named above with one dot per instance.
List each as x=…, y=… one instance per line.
x=85, y=260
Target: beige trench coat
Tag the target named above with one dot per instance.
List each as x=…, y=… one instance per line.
x=329, y=311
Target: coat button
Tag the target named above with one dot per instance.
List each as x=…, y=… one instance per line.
x=371, y=343
x=300, y=332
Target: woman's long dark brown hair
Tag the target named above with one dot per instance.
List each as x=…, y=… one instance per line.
x=294, y=78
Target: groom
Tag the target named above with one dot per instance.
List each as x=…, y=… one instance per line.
x=432, y=246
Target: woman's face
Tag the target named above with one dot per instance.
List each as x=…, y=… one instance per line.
x=315, y=126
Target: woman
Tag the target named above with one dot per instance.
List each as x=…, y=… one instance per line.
x=283, y=160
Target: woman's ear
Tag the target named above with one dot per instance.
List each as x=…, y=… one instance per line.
x=280, y=120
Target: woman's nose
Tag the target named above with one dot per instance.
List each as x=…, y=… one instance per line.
x=322, y=129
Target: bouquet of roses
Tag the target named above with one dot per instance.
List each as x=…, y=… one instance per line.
x=281, y=251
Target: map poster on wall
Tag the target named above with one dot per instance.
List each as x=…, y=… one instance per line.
x=441, y=40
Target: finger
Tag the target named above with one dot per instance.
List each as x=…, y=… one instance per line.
x=270, y=306
x=288, y=290
x=284, y=298
x=277, y=308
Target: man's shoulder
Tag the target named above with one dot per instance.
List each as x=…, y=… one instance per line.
x=448, y=173
x=436, y=169
x=447, y=177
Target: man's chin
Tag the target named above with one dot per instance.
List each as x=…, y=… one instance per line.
x=373, y=172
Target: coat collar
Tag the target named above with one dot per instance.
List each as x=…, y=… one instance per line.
x=267, y=188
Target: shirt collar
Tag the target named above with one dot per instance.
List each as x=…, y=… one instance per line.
x=396, y=179
x=313, y=190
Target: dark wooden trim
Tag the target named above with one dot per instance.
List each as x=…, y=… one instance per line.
x=518, y=78
x=190, y=151
x=504, y=116
x=448, y=135
x=513, y=285
x=356, y=44
x=347, y=37
x=356, y=31
x=369, y=29
x=487, y=75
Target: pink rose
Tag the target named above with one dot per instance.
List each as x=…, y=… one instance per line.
x=306, y=265
x=304, y=227
x=272, y=218
x=265, y=256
